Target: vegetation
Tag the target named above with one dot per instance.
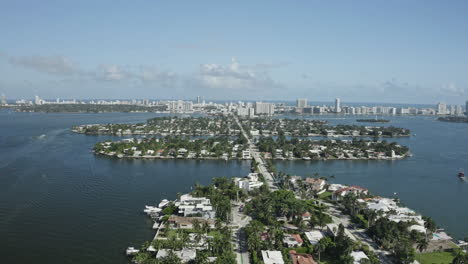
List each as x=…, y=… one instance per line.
x=454, y=119
x=373, y=120
x=218, y=240
x=175, y=147
x=304, y=128
x=444, y=257
x=172, y=125
x=329, y=149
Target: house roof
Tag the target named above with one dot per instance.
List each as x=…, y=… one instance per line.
x=314, y=181
x=301, y=258
x=272, y=257
x=358, y=255
x=188, y=220
x=351, y=188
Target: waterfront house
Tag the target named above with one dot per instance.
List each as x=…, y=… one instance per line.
x=246, y=154
x=272, y=257
x=189, y=205
x=248, y=183
x=179, y=222
x=356, y=190
x=298, y=258
x=315, y=185
x=185, y=255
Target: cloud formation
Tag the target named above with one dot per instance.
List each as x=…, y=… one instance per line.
x=58, y=65
x=234, y=76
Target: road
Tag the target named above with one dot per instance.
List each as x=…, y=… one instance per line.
x=356, y=233
x=337, y=216
x=270, y=180
x=239, y=221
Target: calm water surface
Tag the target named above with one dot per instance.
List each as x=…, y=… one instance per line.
x=61, y=204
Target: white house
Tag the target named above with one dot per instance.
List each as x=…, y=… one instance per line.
x=189, y=205
x=185, y=254
x=272, y=257
x=339, y=194
x=357, y=256
x=314, y=236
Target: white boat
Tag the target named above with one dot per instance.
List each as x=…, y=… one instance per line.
x=131, y=251
x=151, y=209
x=163, y=203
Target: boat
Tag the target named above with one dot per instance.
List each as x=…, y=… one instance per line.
x=131, y=251
x=163, y=203
x=461, y=174
x=152, y=210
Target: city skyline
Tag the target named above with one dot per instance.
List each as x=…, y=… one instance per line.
x=357, y=51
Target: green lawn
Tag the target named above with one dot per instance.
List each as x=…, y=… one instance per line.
x=435, y=258
x=325, y=195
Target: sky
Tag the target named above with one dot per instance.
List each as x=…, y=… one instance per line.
x=395, y=51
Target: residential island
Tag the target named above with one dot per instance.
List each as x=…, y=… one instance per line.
x=223, y=125
x=373, y=120
x=226, y=148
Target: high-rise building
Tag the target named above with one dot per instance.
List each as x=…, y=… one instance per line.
x=301, y=102
x=198, y=99
x=466, y=108
x=337, y=105
x=264, y=108
x=37, y=100
x=4, y=100
x=180, y=106
x=441, y=109
x=452, y=110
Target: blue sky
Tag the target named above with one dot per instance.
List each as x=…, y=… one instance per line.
x=361, y=51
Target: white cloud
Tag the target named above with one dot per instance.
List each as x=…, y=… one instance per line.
x=451, y=89
x=58, y=65
x=111, y=72
x=234, y=76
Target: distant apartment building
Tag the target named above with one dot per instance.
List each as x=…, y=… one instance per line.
x=243, y=111
x=264, y=108
x=4, y=100
x=441, y=109
x=337, y=105
x=180, y=106
x=301, y=102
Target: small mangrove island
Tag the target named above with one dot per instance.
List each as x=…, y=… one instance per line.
x=454, y=119
x=373, y=120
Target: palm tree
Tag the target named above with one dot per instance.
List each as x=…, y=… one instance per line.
x=460, y=258
x=422, y=245
x=322, y=245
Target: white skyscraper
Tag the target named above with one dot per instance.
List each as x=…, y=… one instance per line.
x=337, y=105
x=264, y=108
x=441, y=109
x=4, y=100
x=37, y=100
x=301, y=102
